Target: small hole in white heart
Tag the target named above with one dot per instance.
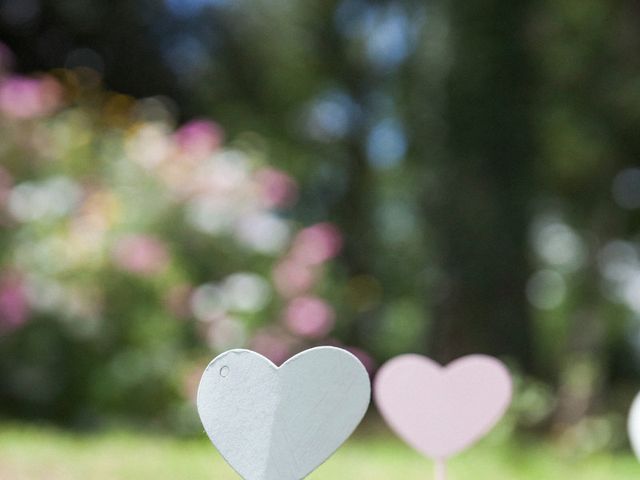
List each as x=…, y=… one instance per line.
x=224, y=371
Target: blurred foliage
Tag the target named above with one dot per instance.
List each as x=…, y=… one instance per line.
x=479, y=159
x=131, y=251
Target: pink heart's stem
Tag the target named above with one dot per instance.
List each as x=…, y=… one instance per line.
x=441, y=470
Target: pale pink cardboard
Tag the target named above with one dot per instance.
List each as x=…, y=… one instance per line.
x=441, y=411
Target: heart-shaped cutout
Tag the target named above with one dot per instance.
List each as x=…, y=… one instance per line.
x=634, y=426
x=281, y=423
x=441, y=411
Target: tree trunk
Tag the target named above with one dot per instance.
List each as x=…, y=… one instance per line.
x=480, y=211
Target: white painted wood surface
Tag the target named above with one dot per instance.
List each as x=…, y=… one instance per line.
x=281, y=423
x=634, y=426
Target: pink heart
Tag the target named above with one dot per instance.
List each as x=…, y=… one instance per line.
x=441, y=411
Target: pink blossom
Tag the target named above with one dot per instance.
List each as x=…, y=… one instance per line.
x=277, y=189
x=141, y=254
x=24, y=97
x=14, y=309
x=199, y=138
x=292, y=278
x=317, y=244
x=309, y=317
x=272, y=345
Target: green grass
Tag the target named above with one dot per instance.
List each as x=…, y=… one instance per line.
x=34, y=454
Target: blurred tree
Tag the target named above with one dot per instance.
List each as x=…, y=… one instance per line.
x=480, y=212
x=337, y=90
x=479, y=156
x=585, y=103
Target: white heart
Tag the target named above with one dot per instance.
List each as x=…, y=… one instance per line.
x=634, y=425
x=281, y=423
